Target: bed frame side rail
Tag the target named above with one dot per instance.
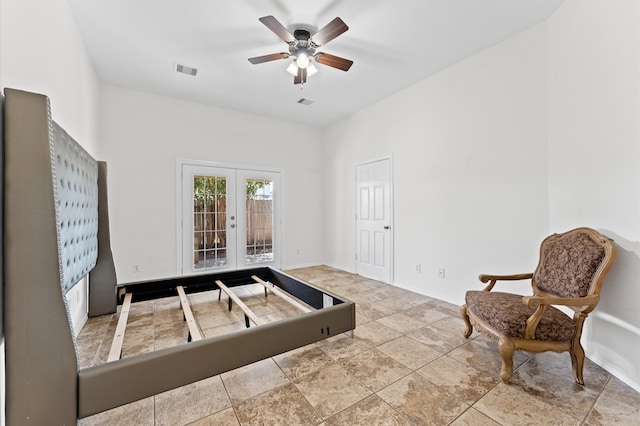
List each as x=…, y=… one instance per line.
x=100, y=387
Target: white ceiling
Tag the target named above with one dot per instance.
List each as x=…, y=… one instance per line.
x=394, y=44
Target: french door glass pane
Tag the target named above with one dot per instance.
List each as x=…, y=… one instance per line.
x=259, y=221
x=209, y=222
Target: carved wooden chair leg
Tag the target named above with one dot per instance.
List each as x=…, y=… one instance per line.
x=506, y=349
x=577, y=361
x=465, y=317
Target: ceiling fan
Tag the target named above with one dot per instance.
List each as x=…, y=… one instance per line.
x=303, y=46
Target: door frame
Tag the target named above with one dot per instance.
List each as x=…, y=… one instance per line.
x=391, y=218
x=278, y=206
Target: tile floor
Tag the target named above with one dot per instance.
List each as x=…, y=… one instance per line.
x=408, y=364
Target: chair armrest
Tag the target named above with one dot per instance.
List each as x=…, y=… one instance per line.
x=492, y=279
x=540, y=303
x=535, y=301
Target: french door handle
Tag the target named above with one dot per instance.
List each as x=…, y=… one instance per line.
x=387, y=227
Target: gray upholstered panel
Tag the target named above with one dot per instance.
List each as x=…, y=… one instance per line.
x=41, y=379
x=102, y=278
x=76, y=175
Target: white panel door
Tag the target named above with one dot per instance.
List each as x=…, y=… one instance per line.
x=373, y=220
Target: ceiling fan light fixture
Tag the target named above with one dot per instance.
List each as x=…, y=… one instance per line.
x=303, y=61
x=311, y=69
x=293, y=68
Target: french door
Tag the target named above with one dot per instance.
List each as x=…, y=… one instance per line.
x=229, y=218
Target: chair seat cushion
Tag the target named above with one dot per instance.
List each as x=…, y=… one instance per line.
x=506, y=313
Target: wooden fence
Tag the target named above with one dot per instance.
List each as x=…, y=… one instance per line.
x=210, y=224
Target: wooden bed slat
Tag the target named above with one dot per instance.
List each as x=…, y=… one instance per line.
x=118, y=338
x=247, y=312
x=195, y=333
x=282, y=294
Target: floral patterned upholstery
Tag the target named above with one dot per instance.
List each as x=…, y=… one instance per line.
x=567, y=265
x=506, y=313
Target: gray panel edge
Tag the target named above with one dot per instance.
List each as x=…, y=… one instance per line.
x=102, y=279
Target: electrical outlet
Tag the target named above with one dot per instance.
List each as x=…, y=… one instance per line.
x=418, y=268
x=441, y=272
x=135, y=268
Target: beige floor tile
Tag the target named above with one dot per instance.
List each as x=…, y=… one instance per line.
x=458, y=379
x=253, y=379
x=595, y=377
x=284, y=405
x=168, y=316
x=137, y=413
x=473, y=417
x=370, y=411
x=361, y=318
x=375, y=369
x=342, y=346
x=302, y=361
x=409, y=352
x=140, y=308
x=137, y=341
x=422, y=401
x=508, y=405
x=331, y=390
x=401, y=322
x=426, y=313
x=224, y=329
x=618, y=405
x=166, y=303
x=189, y=403
x=453, y=325
x=558, y=392
x=437, y=339
x=375, y=333
x=222, y=418
x=373, y=310
x=447, y=308
x=484, y=355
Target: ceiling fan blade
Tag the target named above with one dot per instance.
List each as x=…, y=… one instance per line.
x=274, y=25
x=330, y=31
x=267, y=58
x=301, y=78
x=334, y=61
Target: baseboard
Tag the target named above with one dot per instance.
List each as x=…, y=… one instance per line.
x=302, y=265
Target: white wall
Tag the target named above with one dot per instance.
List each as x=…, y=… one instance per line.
x=594, y=158
x=142, y=136
x=41, y=51
x=469, y=157
x=538, y=134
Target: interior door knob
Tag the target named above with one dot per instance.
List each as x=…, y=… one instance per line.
x=233, y=225
x=387, y=227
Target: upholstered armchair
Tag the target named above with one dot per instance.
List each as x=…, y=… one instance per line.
x=570, y=273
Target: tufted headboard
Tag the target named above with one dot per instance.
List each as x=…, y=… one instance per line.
x=75, y=173
x=50, y=243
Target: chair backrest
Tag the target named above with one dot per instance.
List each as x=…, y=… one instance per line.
x=573, y=264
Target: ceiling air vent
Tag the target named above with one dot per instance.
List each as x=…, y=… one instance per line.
x=186, y=70
x=304, y=101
